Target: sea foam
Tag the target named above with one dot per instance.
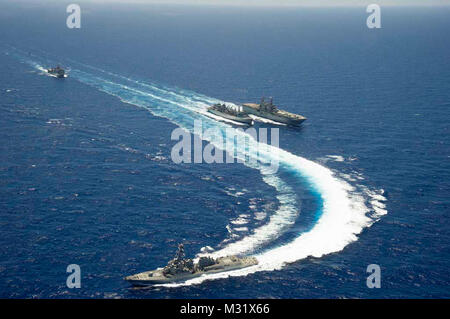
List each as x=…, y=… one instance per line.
x=346, y=210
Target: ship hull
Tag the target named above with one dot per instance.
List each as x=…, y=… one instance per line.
x=156, y=277
x=285, y=119
x=247, y=120
x=139, y=280
x=57, y=74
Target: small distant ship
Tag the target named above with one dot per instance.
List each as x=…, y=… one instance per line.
x=180, y=269
x=269, y=111
x=230, y=113
x=58, y=72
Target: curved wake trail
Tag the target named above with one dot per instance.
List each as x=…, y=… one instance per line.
x=345, y=208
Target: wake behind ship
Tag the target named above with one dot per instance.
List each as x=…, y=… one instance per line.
x=181, y=269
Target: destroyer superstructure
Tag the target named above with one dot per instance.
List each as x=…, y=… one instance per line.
x=181, y=269
x=58, y=72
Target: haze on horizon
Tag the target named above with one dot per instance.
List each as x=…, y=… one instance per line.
x=308, y=3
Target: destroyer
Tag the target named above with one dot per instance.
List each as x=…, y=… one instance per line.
x=58, y=72
x=180, y=269
x=230, y=113
x=269, y=111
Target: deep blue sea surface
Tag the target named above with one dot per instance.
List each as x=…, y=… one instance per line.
x=86, y=175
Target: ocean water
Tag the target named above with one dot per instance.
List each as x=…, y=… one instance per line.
x=86, y=175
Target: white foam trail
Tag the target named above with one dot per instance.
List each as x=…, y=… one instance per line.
x=264, y=120
x=343, y=218
x=288, y=210
x=241, y=220
x=218, y=118
x=337, y=158
x=285, y=216
x=344, y=212
x=207, y=249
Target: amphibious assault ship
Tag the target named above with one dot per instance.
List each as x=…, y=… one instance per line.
x=57, y=72
x=230, y=113
x=180, y=269
x=269, y=111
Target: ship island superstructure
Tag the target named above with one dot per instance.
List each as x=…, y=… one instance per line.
x=266, y=109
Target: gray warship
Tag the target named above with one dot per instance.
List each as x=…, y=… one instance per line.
x=58, y=72
x=269, y=111
x=230, y=113
x=181, y=269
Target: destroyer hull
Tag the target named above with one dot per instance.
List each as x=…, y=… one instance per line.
x=155, y=277
x=59, y=75
x=150, y=278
